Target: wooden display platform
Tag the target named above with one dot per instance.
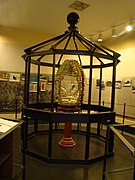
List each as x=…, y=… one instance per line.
x=7, y=128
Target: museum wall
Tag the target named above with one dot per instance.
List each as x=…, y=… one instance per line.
x=125, y=45
x=125, y=76
x=12, y=44
x=14, y=41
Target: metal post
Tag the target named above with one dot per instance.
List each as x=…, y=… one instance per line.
x=113, y=85
x=111, y=135
x=106, y=151
x=124, y=109
x=38, y=84
x=100, y=86
x=53, y=83
x=24, y=145
x=87, y=146
x=38, y=90
x=27, y=79
x=90, y=84
x=99, y=101
x=87, y=141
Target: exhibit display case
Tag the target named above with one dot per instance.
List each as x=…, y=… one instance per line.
x=7, y=127
x=66, y=56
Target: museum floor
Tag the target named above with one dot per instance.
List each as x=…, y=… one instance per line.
x=119, y=167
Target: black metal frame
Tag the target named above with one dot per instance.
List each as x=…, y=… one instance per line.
x=81, y=47
x=84, y=48
x=51, y=118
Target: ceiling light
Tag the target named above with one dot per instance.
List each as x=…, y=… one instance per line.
x=129, y=27
x=100, y=37
x=114, y=34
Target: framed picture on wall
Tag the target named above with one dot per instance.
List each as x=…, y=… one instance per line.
x=43, y=77
x=126, y=82
x=118, y=84
x=33, y=87
x=43, y=85
x=4, y=76
x=98, y=84
x=33, y=78
x=108, y=83
x=14, y=77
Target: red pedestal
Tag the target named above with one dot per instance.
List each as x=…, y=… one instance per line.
x=67, y=140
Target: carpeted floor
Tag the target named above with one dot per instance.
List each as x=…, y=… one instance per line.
x=119, y=167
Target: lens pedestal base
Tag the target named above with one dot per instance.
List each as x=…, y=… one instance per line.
x=67, y=140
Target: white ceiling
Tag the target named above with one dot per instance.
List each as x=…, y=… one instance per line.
x=49, y=16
